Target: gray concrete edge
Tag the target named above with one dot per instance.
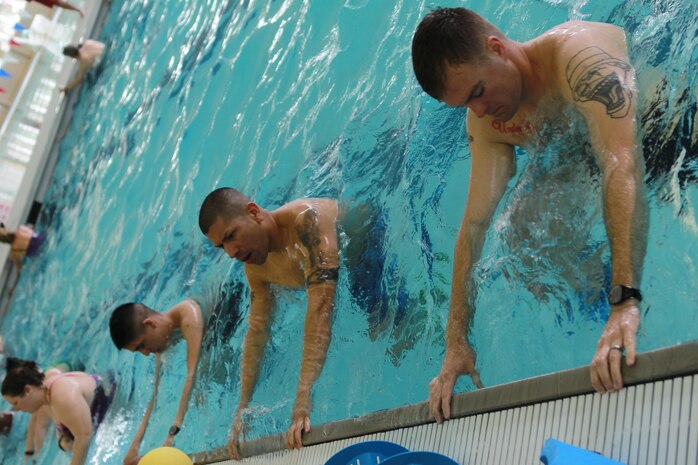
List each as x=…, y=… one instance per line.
x=669, y=362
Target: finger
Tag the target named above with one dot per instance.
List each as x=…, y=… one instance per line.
x=601, y=366
x=298, y=429
x=289, y=435
x=446, y=396
x=595, y=381
x=614, y=357
x=475, y=375
x=435, y=400
x=307, y=424
x=629, y=342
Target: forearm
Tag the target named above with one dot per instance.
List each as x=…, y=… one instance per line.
x=469, y=243
x=316, y=340
x=252, y=353
x=625, y=205
x=184, y=400
x=81, y=445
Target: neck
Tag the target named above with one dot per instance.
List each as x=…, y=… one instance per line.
x=277, y=238
x=533, y=80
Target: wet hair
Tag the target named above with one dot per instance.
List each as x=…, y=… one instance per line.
x=448, y=36
x=126, y=322
x=6, y=235
x=13, y=364
x=71, y=51
x=17, y=379
x=226, y=203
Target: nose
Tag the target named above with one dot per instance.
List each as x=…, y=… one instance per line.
x=231, y=250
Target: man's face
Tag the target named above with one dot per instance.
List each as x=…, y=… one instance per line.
x=242, y=238
x=152, y=340
x=492, y=88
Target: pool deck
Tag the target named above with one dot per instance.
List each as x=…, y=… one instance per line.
x=657, y=409
x=37, y=178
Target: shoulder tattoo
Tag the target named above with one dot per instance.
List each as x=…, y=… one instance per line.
x=593, y=74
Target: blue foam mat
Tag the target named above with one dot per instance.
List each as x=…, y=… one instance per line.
x=558, y=453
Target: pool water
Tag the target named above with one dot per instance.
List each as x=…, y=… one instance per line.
x=288, y=99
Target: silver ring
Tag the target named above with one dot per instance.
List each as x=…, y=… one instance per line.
x=617, y=347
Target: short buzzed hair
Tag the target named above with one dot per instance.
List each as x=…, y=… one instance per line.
x=448, y=36
x=126, y=323
x=226, y=203
x=71, y=51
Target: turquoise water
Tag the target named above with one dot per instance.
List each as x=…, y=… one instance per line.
x=293, y=99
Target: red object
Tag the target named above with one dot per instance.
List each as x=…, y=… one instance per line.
x=2, y=90
x=14, y=43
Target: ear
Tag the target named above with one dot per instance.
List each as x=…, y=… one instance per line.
x=27, y=389
x=255, y=211
x=150, y=322
x=495, y=45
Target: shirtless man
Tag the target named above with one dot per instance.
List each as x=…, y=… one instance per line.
x=461, y=59
x=293, y=246
x=137, y=328
x=87, y=53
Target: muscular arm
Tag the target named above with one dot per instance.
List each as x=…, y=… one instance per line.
x=492, y=166
x=192, y=330
x=603, y=89
x=132, y=456
x=317, y=233
x=255, y=340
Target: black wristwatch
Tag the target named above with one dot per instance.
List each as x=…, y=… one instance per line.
x=174, y=429
x=620, y=294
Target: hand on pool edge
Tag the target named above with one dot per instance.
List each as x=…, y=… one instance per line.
x=233, y=445
x=300, y=422
x=620, y=330
x=459, y=360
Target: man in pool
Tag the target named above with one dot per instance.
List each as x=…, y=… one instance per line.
x=137, y=328
x=512, y=90
x=88, y=53
x=293, y=246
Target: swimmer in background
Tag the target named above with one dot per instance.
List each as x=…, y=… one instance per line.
x=294, y=246
x=60, y=4
x=88, y=54
x=24, y=242
x=138, y=328
x=463, y=60
x=77, y=402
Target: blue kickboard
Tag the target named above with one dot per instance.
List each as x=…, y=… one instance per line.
x=558, y=453
x=366, y=453
x=419, y=458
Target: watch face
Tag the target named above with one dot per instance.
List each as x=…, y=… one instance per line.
x=616, y=295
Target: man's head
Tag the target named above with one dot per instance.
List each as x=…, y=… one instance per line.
x=137, y=328
x=448, y=36
x=460, y=58
x=232, y=222
x=71, y=51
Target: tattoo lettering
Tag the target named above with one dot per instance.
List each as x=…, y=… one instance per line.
x=322, y=275
x=593, y=74
x=512, y=128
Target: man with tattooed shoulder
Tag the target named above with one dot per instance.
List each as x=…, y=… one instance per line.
x=293, y=246
x=511, y=90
